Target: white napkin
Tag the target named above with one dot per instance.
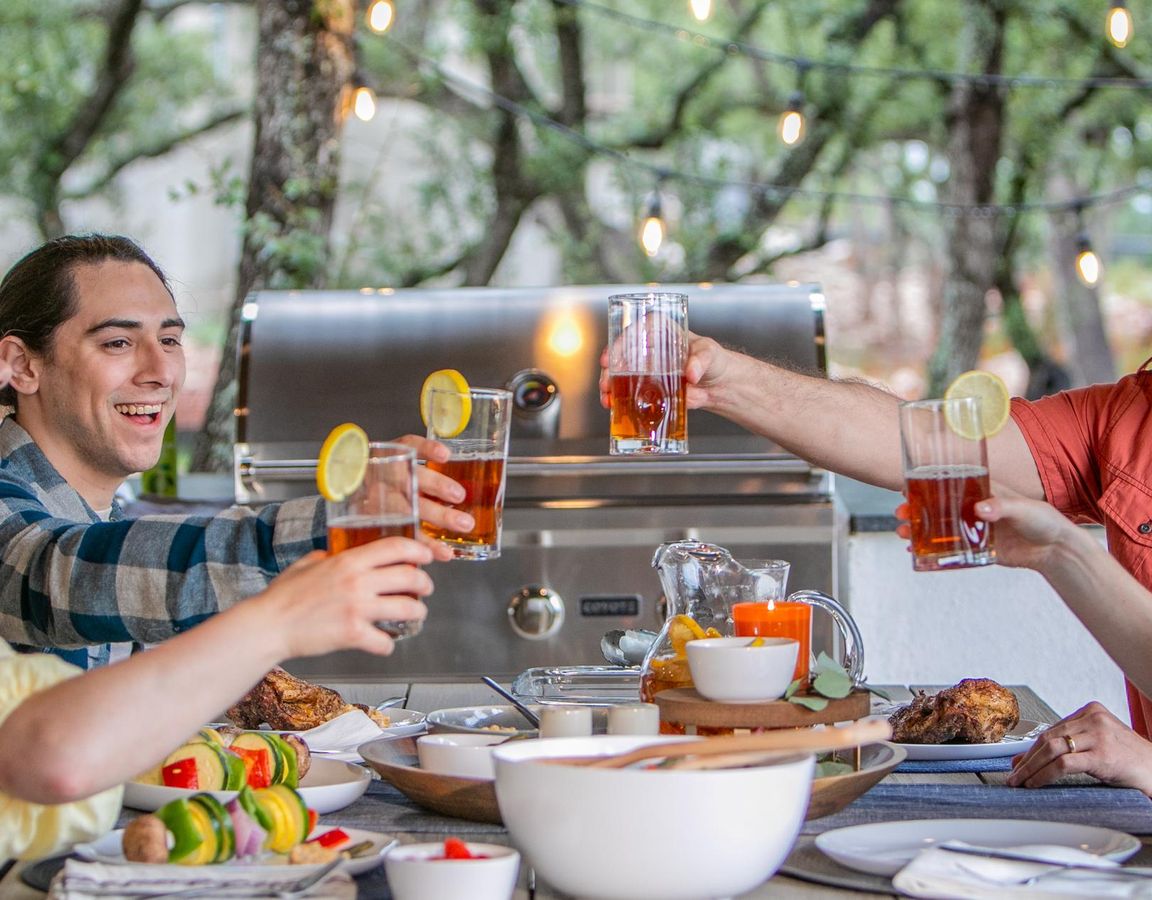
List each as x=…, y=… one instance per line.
x=937, y=873
x=343, y=734
x=101, y=881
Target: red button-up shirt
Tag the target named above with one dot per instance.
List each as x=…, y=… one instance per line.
x=1093, y=448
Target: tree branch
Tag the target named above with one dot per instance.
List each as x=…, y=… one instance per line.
x=152, y=151
x=114, y=72
x=658, y=137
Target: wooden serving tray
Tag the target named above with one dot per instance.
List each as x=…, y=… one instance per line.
x=683, y=706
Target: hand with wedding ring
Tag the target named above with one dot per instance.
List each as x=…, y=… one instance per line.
x=1091, y=741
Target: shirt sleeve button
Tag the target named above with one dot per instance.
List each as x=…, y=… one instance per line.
x=1145, y=527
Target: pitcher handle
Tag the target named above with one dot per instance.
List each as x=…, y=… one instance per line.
x=853, y=643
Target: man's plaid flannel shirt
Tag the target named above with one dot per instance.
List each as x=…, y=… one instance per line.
x=70, y=580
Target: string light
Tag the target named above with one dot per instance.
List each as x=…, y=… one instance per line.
x=985, y=79
x=380, y=15
x=780, y=191
x=653, y=229
x=701, y=9
x=1088, y=268
x=791, y=125
x=364, y=103
x=1119, y=23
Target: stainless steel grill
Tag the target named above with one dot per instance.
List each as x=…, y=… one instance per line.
x=579, y=526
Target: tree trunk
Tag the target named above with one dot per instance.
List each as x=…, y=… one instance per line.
x=304, y=60
x=976, y=124
x=1088, y=357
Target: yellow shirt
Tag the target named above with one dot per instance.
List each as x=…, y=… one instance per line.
x=32, y=830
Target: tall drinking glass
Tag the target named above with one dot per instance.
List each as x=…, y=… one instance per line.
x=647, y=350
x=385, y=505
x=479, y=455
x=945, y=476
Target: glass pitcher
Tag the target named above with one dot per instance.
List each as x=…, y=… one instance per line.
x=702, y=583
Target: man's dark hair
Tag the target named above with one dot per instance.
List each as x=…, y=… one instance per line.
x=39, y=293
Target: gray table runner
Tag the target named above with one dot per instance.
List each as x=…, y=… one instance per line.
x=936, y=766
x=1124, y=809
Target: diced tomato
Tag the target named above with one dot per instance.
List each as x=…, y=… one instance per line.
x=181, y=774
x=313, y=818
x=257, y=765
x=331, y=838
x=454, y=848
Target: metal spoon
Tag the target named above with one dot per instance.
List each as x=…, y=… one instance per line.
x=533, y=719
x=626, y=647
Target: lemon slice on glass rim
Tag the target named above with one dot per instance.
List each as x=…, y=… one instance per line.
x=445, y=404
x=994, y=403
x=343, y=461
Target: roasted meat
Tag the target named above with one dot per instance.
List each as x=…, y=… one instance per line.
x=288, y=703
x=975, y=711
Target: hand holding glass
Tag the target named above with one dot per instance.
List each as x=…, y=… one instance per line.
x=385, y=505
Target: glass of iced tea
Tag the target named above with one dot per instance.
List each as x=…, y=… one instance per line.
x=945, y=476
x=647, y=350
x=385, y=505
x=479, y=455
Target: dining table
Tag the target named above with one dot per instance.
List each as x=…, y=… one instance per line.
x=915, y=790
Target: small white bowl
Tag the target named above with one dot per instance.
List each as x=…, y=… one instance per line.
x=420, y=872
x=462, y=755
x=730, y=670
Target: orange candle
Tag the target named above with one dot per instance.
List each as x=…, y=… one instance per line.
x=777, y=619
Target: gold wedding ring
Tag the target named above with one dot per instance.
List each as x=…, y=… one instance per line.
x=1071, y=743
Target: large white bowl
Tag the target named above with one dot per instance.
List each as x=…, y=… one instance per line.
x=733, y=670
x=640, y=833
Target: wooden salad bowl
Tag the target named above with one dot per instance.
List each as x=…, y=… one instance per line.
x=833, y=793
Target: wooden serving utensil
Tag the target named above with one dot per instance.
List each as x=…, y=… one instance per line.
x=807, y=740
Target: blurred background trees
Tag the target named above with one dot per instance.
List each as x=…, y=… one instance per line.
x=954, y=154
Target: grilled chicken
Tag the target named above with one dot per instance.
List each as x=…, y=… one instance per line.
x=975, y=711
x=288, y=703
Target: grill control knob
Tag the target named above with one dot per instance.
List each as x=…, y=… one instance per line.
x=536, y=612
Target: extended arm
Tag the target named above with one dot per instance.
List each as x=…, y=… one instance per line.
x=88, y=733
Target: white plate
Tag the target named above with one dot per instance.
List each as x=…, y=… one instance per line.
x=329, y=785
x=884, y=848
x=110, y=849
x=1018, y=740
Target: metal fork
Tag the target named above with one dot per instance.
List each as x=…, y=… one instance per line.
x=292, y=888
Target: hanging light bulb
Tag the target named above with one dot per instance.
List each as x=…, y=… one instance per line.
x=701, y=9
x=791, y=124
x=1119, y=23
x=1088, y=268
x=380, y=15
x=364, y=103
x=653, y=229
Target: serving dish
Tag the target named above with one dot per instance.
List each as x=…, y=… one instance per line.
x=586, y=685
x=503, y=720
x=1020, y=739
x=465, y=798
x=833, y=792
x=420, y=872
x=329, y=785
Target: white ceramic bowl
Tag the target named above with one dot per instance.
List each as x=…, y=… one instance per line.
x=731, y=670
x=419, y=872
x=637, y=833
x=462, y=755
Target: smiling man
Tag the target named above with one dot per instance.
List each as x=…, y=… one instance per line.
x=91, y=333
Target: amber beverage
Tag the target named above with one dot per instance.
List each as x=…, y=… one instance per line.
x=942, y=514
x=482, y=478
x=648, y=408
x=355, y=531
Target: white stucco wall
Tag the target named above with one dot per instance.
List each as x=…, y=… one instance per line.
x=1006, y=624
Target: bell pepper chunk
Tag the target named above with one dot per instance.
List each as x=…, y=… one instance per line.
x=186, y=836
x=332, y=838
x=257, y=764
x=181, y=774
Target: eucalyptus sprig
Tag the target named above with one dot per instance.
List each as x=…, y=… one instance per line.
x=831, y=681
